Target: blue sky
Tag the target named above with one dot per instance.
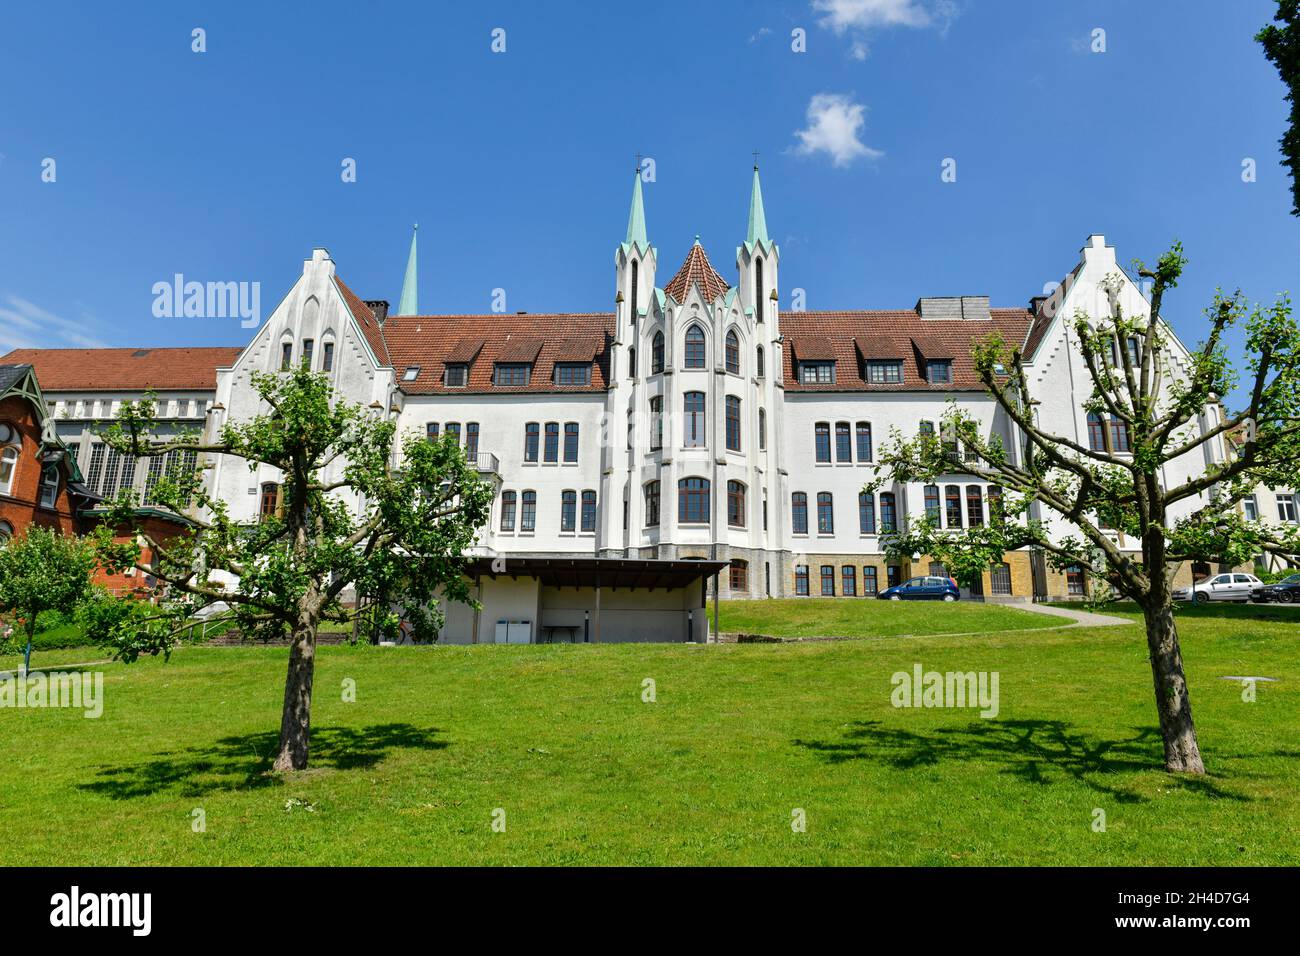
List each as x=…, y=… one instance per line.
x=225, y=165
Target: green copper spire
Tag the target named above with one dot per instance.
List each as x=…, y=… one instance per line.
x=757, y=218
x=636, y=218
x=408, y=304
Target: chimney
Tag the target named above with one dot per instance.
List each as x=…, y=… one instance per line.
x=379, y=307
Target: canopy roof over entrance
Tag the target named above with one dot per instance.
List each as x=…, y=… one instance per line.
x=597, y=572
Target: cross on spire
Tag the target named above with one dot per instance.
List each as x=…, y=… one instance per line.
x=756, y=159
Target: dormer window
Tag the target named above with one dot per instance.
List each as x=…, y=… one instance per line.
x=512, y=373
x=817, y=373
x=411, y=374
x=887, y=372
x=939, y=371
x=573, y=373
x=455, y=375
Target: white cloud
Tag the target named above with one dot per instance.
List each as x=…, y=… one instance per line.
x=858, y=17
x=27, y=325
x=834, y=125
x=762, y=32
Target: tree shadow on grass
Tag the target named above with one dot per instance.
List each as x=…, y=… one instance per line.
x=244, y=762
x=1035, y=751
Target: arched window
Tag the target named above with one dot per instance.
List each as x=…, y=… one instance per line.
x=733, y=423
x=735, y=504
x=1000, y=577
x=693, y=501
x=799, y=512
x=508, y=510
x=657, y=354
x=759, y=367
x=6, y=532
x=952, y=500
x=758, y=289
x=1096, y=432
x=532, y=434
x=866, y=512
x=568, y=510
x=864, y=441
x=270, y=503
x=733, y=352
x=974, y=507
x=825, y=513
x=696, y=430
x=843, y=442
x=588, y=511
x=932, y=503
x=995, y=503
x=635, y=311
x=8, y=468
x=888, y=513
x=631, y=363
x=528, y=511
x=762, y=429
x=695, y=347
x=652, y=504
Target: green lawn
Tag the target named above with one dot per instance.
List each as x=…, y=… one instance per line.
x=869, y=617
x=739, y=736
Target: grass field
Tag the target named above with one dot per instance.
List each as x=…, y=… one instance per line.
x=869, y=617
x=738, y=738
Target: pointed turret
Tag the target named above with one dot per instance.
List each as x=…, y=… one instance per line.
x=636, y=217
x=408, y=304
x=757, y=218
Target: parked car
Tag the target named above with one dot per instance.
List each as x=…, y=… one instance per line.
x=1233, y=586
x=1286, y=591
x=928, y=588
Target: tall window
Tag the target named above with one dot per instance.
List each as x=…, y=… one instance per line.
x=431, y=431
x=1250, y=508
x=1074, y=581
x=952, y=499
x=9, y=468
x=822, y=441
x=759, y=368
x=531, y=435
x=849, y=581
x=762, y=429
x=932, y=503
x=869, y=581
x=735, y=504
x=327, y=357
x=49, y=486
x=1096, y=432
x=631, y=363
x=571, y=441
x=799, y=512
x=733, y=423
x=695, y=347
x=635, y=311
x=693, y=501
x=1286, y=510
x=758, y=289
x=270, y=504
x=1119, y=435
x=866, y=512
x=528, y=511
x=995, y=503
x=695, y=425
x=1000, y=577
x=568, y=510
x=588, y=511
x=453, y=429
x=286, y=356
x=308, y=347
x=888, y=512
x=657, y=354
x=656, y=423
x=843, y=442
x=828, y=580
x=801, y=579
x=864, y=441
x=739, y=575
x=733, y=352
x=825, y=513
x=652, y=504
x=471, y=441
x=974, y=507
x=508, y=510
x=552, y=448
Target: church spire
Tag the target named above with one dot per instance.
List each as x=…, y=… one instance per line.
x=408, y=304
x=757, y=218
x=636, y=218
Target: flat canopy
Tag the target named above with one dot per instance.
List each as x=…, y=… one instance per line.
x=598, y=572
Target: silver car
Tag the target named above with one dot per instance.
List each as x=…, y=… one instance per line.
x=1233, y=586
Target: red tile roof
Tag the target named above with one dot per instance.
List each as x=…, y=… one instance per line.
x=370, y=327
x=901, y=334
x=429, y=340
x=697, y=270
x=109, y=370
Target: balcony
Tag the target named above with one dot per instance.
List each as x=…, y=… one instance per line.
x=486, y=463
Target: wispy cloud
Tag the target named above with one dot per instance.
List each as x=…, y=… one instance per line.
x=25, y=325
x=834, y=127
x=759, y=34
x=858, y=18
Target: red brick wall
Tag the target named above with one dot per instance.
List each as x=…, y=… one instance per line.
x=19, y=508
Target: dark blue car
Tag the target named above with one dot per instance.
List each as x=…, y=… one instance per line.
x=928, y=588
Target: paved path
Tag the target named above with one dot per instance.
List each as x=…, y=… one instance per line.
x=1086, y=618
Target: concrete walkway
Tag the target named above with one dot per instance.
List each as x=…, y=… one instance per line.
x=1085, y=618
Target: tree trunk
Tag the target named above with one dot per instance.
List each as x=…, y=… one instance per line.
x=295, y=722
x=1182, y=753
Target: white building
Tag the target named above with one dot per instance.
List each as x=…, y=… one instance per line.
x=696, y=420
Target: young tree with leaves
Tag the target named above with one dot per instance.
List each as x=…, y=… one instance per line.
x=1102, y=493
x=1281, y=42
x=417, y=513
x=44, y=570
